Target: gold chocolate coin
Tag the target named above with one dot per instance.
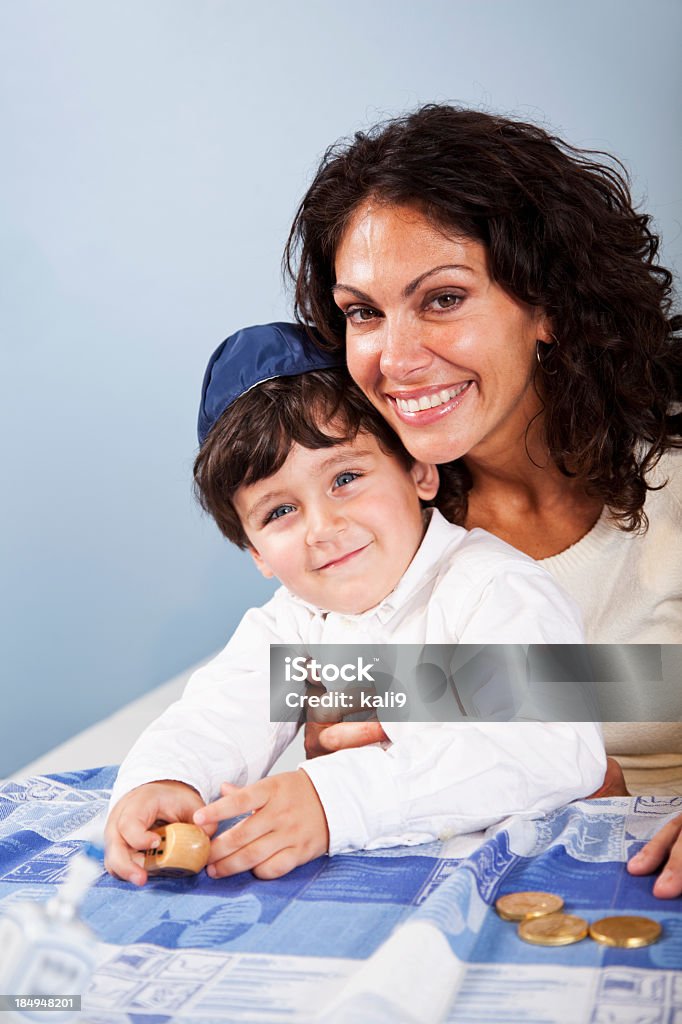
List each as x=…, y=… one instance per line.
x=517, y=906
x=553, y=929
x=626, y=932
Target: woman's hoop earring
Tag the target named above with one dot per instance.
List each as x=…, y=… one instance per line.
x=550, y=349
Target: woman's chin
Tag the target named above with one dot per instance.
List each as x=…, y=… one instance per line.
x=440, y=434
x=432, y=445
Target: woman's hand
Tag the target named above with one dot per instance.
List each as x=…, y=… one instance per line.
x=614, y=781
x=664, y=848
x=325, y=739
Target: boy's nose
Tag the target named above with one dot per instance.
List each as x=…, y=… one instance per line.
x=324, y=524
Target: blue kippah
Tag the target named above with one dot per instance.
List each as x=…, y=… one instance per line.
x=253, y=355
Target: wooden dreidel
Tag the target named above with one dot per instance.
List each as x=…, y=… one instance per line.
x=183, y=850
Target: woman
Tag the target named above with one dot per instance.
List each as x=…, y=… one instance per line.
x=501, y=305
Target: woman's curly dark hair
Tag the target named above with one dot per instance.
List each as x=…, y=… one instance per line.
x=562, y=234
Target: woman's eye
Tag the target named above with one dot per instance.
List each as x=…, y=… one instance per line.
x=359, y=314
x=279, y=512
x=345, y=478
x=446, y=300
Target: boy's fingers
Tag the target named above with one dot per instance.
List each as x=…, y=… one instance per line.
x=137, y=836
x=280, y=864
x=246, y=858
x=351, y=734
x=240, y=835
x=240, y=801
x=210, y=814
x=209, y=827
x=125, y=863
x=128, y=833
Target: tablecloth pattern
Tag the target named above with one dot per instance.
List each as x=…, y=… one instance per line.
x=404, y=934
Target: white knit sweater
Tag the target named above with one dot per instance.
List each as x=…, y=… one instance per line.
x=629, y=587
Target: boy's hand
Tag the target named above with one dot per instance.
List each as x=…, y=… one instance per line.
x=127, y=832
x=287, y=826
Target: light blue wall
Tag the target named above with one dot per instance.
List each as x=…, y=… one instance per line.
x=153, y=154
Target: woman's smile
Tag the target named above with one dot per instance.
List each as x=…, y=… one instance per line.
x=427, y=405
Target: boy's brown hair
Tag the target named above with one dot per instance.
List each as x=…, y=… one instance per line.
x=253, y=437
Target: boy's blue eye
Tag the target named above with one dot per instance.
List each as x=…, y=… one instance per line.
x=277, y=513
x=345, y=478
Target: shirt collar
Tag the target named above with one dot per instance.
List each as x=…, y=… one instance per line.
x=423, y=566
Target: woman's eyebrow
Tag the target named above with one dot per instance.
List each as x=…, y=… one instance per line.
x=410, y=288
x=338, y=287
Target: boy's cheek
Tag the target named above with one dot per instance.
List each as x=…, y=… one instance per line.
x=260, y=563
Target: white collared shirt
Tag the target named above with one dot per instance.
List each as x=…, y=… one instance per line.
x=435, y=780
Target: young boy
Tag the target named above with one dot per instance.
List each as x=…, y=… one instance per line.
x=298, y=468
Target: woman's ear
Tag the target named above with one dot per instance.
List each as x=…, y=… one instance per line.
x=426, y=479
x=260, y=563
x=544, y=331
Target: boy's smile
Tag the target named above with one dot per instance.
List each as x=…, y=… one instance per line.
x=342, y=560
x=337, y=526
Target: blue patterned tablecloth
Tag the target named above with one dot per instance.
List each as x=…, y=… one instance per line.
x=400, y=934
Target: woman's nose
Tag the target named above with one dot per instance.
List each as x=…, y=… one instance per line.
x=403, y=352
